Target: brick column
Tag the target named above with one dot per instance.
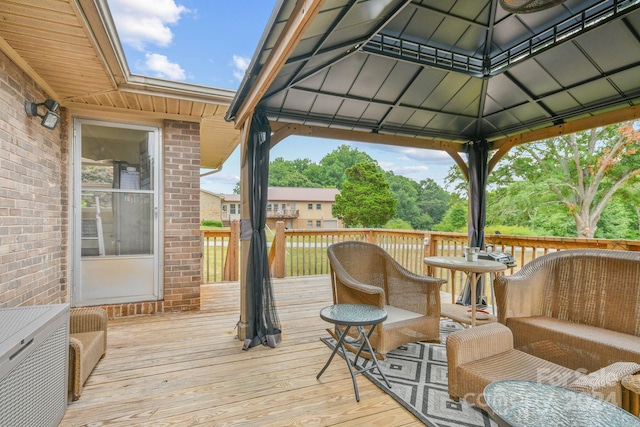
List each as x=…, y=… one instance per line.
x=182, y=246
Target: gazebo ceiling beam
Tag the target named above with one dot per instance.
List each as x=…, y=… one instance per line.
x=287, y=129
x=486, y=62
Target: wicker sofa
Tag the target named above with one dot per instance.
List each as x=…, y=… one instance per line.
x=87, y=345
x=577, y=308
x=363, y=273
x=484, y=354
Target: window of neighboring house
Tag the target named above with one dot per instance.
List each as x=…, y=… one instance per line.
x=293, y=206
x=310, y=206
x=269, y=207
x=318, y=224
x=232, y=208
x=310, y=224
x=318, y=206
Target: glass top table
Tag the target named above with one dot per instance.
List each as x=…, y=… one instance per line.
x=358, y=315
x=353, y=314
x=515, y=403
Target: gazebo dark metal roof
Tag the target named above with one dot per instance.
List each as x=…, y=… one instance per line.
x=443, y=72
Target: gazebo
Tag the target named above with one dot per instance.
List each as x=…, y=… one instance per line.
x=473, y=78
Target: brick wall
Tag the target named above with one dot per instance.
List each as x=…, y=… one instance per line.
x=33, y=197
x=182, y=245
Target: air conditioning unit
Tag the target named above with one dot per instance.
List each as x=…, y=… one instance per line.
x=34, y=363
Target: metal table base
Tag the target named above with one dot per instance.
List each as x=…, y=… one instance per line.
x=363, y=337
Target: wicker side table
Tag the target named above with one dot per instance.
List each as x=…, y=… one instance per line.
x=631, y=393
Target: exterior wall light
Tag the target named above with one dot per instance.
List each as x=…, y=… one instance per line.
x=49, y=119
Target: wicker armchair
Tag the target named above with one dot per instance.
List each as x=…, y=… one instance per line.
x=87, y=345
x=363, y=273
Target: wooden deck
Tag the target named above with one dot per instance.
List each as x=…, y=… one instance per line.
x=187, y=369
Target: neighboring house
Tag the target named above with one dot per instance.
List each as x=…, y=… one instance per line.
x=101, y=208
x=210, y=206
x=298, y=208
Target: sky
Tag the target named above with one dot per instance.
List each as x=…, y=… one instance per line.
x=211, y=43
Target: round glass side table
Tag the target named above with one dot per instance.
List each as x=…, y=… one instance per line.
x=358, y=315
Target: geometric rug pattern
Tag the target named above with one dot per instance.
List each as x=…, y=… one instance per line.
x=418, y=376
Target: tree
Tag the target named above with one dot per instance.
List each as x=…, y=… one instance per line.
x=284, y=173
x=365, y=199
x=432, y=203
x=332, y=172
x=455, y=219
x=406, y=194
x=582, y=171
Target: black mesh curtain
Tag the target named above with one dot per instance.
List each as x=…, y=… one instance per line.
x=478, y=153
x=263, y=325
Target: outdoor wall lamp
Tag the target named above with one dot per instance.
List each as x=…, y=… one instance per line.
x=49, y=119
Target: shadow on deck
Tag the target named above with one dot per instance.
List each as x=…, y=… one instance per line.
x=187, y=369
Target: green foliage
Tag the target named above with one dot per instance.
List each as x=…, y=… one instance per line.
x=335, y=164
x=365, y=199
x=406, y=193
x=211, y=223
x=515, y=230
x=456, y=217
x=580, y=171
x=285, y=173
x=618, y=221
x=433, y=203
x=397, y=224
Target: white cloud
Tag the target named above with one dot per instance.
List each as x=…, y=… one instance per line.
x=142, y=22
x=160, y=66
x=240, y=65
x=411, y=170
x=430, y=156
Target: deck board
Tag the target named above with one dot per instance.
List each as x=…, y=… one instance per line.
x=189, y=369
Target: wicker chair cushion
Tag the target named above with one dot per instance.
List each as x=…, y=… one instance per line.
x=395, y=314
x=573, y=345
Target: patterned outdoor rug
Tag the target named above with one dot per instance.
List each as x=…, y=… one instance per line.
x=418, y=376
